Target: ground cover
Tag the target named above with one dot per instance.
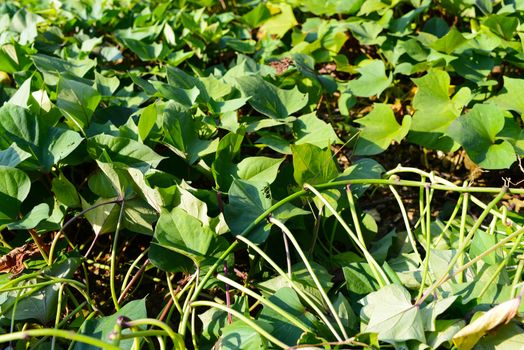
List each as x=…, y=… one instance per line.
x=248, y=174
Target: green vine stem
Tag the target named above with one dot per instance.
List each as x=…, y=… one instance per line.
x=58, y=333
x=154, y=322
x=299, y=291
x=264, y=301
x=443, y=185
x=174, y=296
x=518, y=274
x=354, y=216
x=58, y=312
x=78, y=309
x=379, y=274
x=450, y=220
x=113, y=257
x=448, y=276
x=501, y=267
x=407, y=224
x=243, y=318
x=311, y=273
x=462, y=230
x=131, y=268
x=70, y=221
x=426, y=225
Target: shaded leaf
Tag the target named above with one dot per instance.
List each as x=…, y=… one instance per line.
x=270, y=100
x=247, y=201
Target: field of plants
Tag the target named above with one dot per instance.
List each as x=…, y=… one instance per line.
x=248, y=174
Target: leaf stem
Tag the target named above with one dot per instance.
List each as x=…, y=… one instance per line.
x=113, y=257
x=299, y=291
x=267, y=303
x=379, y=274
x=70, y=221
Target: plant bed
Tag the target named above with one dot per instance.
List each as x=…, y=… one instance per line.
x=249, y=174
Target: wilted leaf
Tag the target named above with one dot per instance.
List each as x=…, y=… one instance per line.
x=467, y=337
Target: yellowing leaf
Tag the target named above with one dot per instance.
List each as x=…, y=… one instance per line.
x=467, y=337
x=279, y=24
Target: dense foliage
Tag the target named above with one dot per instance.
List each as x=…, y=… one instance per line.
x=200, y=174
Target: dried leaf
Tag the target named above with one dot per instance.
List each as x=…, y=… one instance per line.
x=467, y=337
x=13, y=262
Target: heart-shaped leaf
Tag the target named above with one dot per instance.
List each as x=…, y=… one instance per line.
x=247, y=201
x=270, y=100
x=477, y=132
x=379, y=129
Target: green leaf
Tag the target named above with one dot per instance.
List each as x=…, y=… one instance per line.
x=444, y=332
x=42, y=302
x=106, y=86
x=13, y=156
x=379, y=129
x=247, y=201
x=510, y=96
x=22, y=95
x=104, y=217
x=18, y=125
x=435, y=111
x=279, y=24
x=477, y=132
x=31, y=219
x=390, y=314
x=222, y=167
x=506, y=337
x=287, y=299
x=270, y=100
x=257, y=15
x=139, y=216
x=449, y=42
x=13, y=58
x=14, y=188
x=239, y=336
x=184, y=234
x=345, y=312
x=180, y=131
x=78, y=101
x=152, y=196
x=102, y=328
x=65, y=192
x=57, y=144
x=47, y=144
x=275, y=142
x=53, y=67
x=313, y=165
x=123, y=150
x=481, y=242
x=359, y=279
x=146, y=52
x=502, y=25
x=147, y=121
x=364, y=168
x=258, y=169
x=372, y=81
x=310, y=129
